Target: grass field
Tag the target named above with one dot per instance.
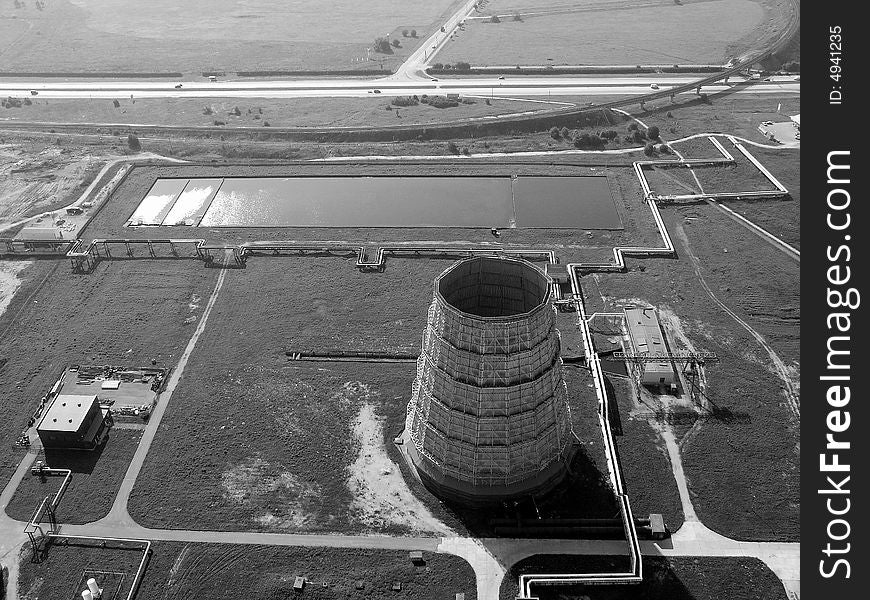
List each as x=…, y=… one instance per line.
x=334, y=467
x=127, y=313
x=177, y=570
x=704, y=578
x=163, y=35
x=782, y=218
x=257, y=112
x=741, y=461
x=607, y=32
x=96, y=477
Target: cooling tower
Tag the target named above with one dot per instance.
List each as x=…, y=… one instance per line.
x=488, y=417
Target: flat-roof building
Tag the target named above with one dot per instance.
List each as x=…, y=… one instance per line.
x=73, y=422
x=648, y=347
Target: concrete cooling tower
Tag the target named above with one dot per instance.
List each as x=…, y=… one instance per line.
x=488, y=417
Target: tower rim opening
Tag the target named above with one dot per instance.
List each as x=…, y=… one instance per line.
x=448, y=288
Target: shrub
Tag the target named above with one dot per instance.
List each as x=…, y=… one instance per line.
x=133, y=143
x=554, y=133
x=462, y=66
x=653, y=132
x=649, y=149
x=413, y=33
x=669, y=115
x=396, y=43
x=564, y=132
x=219, y=123
x=404, y=33
x=466, y=151
x=236, y=111
x=27, y=102
x=442, y=102
x=266, y=124
x=438, y=66
x=632, y=126
x=488, y=103
x=495, y=19
x=518, y=17
x=116, y=104
x=665, y=149
x=452, y=148
x=382, y=45
x=405, y=101
x=638, y=136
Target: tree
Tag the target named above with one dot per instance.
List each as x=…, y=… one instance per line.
x=116, y=104
x=413, y=33
x=517, y=17
x=452, y=148
x=437, y=66
x=404, y=33
x=133, y=143
x=555, y=133
x=382, y=45
x=632, y=126
x=462, y=66
x=396, y=43
x=649, y=149
x=653, y=132
x=495, y=19
x=564, y=132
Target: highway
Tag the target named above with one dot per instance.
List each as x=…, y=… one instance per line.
x=390, y=86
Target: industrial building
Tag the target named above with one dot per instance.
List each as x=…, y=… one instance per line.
x=74, y=422
x=648, y=348
x=489, y=417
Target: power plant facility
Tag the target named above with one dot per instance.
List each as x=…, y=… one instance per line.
x=489, y=417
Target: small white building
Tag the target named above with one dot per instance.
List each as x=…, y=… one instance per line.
x=648, y=347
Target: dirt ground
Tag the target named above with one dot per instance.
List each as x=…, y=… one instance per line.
x=177, y=570
x=704, y=578
x=10, y=280
x=36, y=177
x=162, y=35
x=608, y=32
x=123, y=313
x=95, y=480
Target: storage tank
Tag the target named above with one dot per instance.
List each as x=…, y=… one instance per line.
x=488, y=417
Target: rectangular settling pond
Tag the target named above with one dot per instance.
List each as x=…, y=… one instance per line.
x=504, y=202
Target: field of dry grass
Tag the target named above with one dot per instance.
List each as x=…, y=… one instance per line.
x=177, y=570
x=123, y=313
x=704, y=578
x=334, y=467
x=258, y=112
x=740, y=460
x=194, y=36
x=608, y=32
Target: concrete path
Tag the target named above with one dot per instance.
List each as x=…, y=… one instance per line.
x=118, y=513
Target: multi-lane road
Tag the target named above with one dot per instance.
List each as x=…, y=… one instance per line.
x=389, y=86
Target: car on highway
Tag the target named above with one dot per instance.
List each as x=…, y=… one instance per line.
x=653, y=86
x=376, y=91
x=177, y=86
x=767, y=123
x=33, y=92
x=501, y=76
